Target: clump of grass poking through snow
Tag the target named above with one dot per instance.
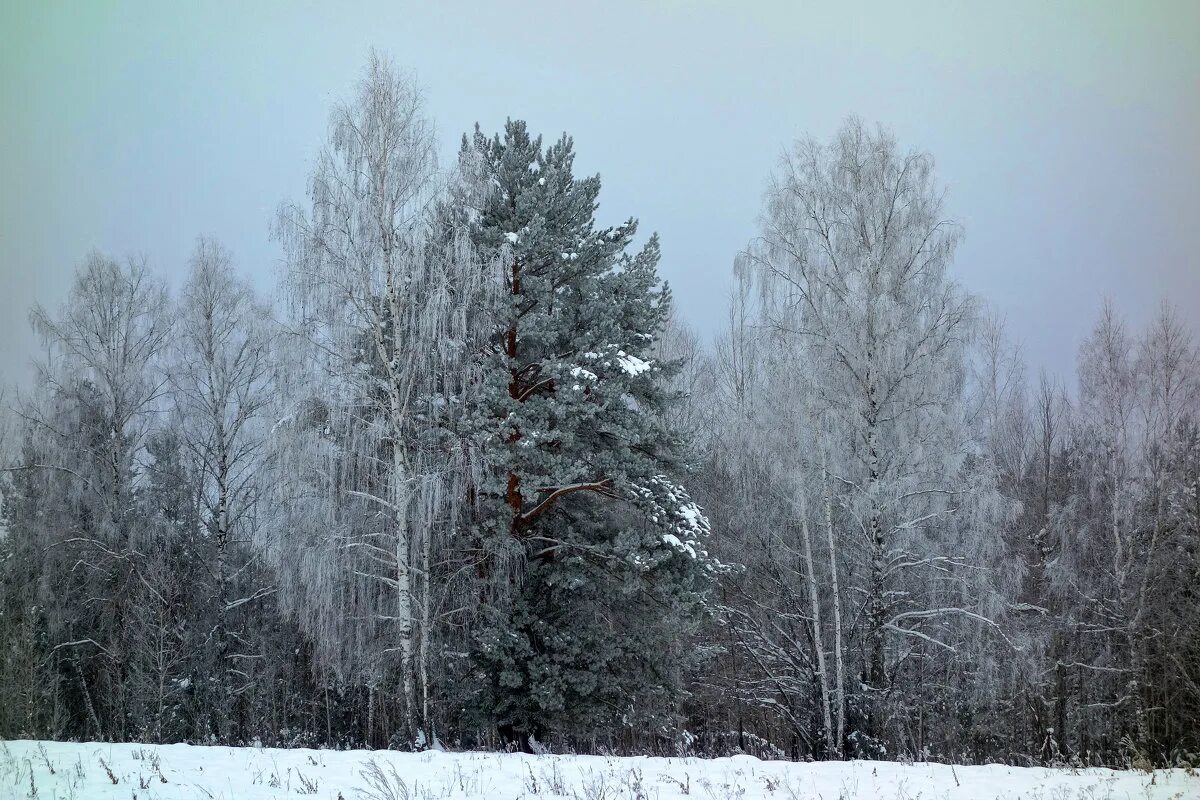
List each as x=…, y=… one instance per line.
x=382, y=784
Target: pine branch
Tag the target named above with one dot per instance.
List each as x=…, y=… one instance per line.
x=602, y=487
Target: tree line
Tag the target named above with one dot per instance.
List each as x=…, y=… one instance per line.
x=470, y=482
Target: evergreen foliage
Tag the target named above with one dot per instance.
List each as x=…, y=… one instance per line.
x=607, y=551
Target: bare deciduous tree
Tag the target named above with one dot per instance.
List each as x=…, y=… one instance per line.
x=221, y=381
x=103, y=374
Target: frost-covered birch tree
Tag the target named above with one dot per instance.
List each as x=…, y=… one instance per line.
x=221, y=386
x=1168, y=369
x=99, y=387
x=1134, y=406
x=1105, y=558
x=781, y=610
x=387, y=307
x=852, y=263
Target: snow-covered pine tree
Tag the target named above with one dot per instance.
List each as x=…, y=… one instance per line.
x=598, y=552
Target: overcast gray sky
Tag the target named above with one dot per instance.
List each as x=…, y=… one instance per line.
x=1068, y=133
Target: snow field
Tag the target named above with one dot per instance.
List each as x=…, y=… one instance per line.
x=98, y=771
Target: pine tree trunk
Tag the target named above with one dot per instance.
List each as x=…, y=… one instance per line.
x=513, y=490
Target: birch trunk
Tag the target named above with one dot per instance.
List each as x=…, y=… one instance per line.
x=404, y=610
x=815, y=604
x=839, y=660
x=426, y=629
x=876, y=604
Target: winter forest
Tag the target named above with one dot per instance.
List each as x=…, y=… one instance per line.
x=467, y=481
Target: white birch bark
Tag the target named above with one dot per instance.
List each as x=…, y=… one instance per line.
x=835, y=593
x=815, y=606
x=388, y=300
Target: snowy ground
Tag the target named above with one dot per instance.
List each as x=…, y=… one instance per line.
x=94, y=771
